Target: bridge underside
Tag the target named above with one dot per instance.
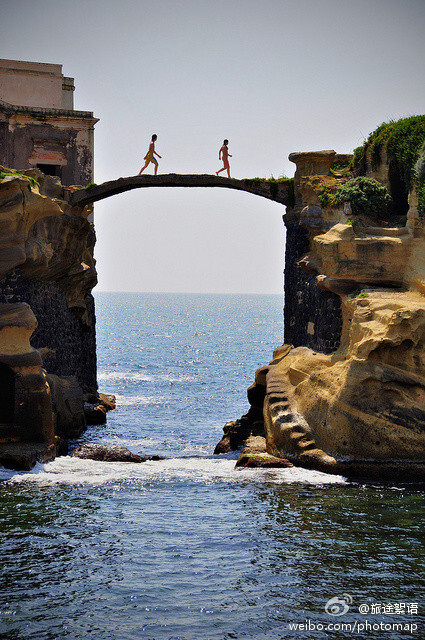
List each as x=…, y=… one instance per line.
x=272, y=190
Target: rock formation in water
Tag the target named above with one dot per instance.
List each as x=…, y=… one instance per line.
x=346, y=394
x=47, y=324
x=112, y=453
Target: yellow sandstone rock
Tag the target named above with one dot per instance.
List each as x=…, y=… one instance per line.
x=366, y=401
x=359, y=411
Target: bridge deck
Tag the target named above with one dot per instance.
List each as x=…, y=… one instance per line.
x=277, y=191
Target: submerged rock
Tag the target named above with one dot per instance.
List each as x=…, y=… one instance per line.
x=113, y=453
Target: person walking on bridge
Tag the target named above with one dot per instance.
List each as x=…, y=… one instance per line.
x=150, y=156
x=224, y=155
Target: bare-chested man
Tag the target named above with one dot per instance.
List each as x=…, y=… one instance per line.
x=150, y=156
x=224, y=155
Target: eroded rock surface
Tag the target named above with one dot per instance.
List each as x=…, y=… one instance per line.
x=112, y=453
x=361, y=411
x=255, y=455
x=46, y=266
x=357, y=409
x=23, y=456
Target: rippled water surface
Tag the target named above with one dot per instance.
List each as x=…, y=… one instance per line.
x=188, y=548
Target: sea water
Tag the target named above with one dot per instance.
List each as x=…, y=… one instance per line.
x=189, y=548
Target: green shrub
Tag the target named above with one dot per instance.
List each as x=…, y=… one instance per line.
x=402, y=139
x=341, y=169
x=420, y=181
x=420, y=165
x=326, y=195
x=403, y=147
x=358, y=157
x=366, y=196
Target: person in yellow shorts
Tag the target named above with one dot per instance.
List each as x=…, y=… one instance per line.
x=150, y=156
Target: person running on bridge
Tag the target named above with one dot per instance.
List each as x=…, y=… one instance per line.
x=224, y=155
x=150, y=156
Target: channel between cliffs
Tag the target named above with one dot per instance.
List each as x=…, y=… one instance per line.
x=345, y=392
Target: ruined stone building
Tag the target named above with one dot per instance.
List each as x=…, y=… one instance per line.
x=50, y=302
x=39, y=126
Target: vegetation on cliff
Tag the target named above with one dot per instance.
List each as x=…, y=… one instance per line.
x=420, y=180
x=366, y=196
x=340, y=173
x=5, y=172
x=403, y=142
x=273, y=185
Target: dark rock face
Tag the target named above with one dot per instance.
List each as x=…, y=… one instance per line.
x=113, y=453
x=71, y=344
x=251, y=424
x=68, y=406
x=22, y=456
x=94, y=413
x=312, y=317
x=237, y=431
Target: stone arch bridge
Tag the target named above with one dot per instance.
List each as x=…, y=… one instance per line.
x=278, y=191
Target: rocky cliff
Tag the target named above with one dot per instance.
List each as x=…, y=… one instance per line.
x=47, y=322
x=346, y=393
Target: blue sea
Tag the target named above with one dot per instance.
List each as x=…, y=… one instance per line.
x=189, y=548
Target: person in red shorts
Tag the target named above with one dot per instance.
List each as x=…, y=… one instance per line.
x=224, y=155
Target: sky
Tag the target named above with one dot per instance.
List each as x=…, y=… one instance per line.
x=273, y=77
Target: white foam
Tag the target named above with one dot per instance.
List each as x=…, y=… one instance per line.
x=123, y=376
x=137, y=401
x=74, y=471
x=143, y=376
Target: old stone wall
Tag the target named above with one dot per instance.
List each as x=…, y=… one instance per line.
x=71, y=343
x=65, y=143
x=312, y=317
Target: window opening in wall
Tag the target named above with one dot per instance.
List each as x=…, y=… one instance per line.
x=50, y=169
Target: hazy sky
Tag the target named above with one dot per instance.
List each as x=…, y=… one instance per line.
x=273, y=77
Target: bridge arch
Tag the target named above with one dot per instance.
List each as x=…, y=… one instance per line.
x=278, y=191
x=190, y=240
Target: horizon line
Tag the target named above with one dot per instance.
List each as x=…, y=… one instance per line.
x=191, y=293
